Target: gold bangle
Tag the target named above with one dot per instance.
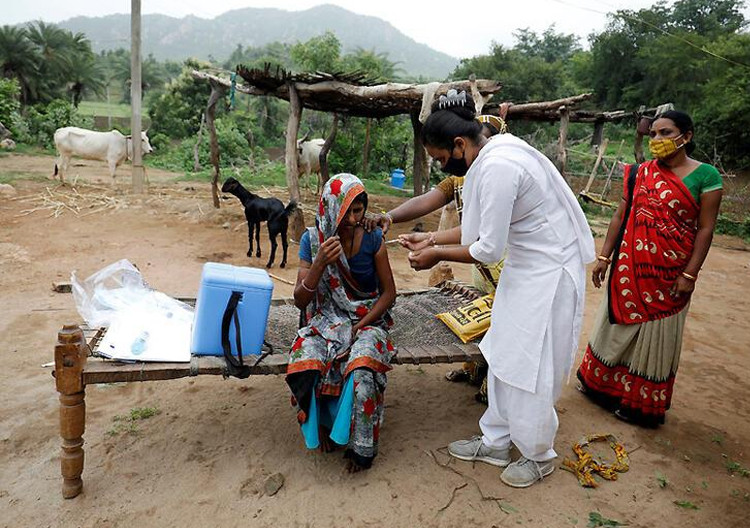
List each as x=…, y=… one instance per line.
x=689, y=277
x=604, y=259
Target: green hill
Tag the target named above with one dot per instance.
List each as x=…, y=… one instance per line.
x=178, y=38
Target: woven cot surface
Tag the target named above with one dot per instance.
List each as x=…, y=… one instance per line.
x=414, y=319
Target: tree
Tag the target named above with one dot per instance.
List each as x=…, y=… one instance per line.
x=536, y=68
x=377, y=66
x=550, y=47
x=321, y=53
x=709, y=18
x=19, y=60
x=723, y=112
x=177, y=112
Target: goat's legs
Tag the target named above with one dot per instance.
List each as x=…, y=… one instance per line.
x=284, y=246
x=250, y=226
x=272, y=237
x=257, y=240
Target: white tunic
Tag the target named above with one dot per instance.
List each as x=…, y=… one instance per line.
x=515, y=198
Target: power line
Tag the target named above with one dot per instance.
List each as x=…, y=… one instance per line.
x=622, y=14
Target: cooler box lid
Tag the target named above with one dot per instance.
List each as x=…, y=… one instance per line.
x=220, y=275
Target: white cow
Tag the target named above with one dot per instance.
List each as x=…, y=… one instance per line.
x=112, y=147
x=308, y=157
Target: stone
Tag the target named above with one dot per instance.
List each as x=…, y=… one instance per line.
x=8, y=144
x=273, y=484
x=7, y=190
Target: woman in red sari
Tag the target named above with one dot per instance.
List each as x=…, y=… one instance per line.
x=656, y=244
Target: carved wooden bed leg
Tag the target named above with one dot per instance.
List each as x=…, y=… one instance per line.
x=70, y=360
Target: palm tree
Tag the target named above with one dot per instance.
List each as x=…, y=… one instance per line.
x=88, y=79
x=19, y=60
x=56, y=49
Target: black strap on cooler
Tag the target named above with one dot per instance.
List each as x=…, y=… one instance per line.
x=236, y=366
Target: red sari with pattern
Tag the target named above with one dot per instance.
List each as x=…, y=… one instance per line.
x=655, y=244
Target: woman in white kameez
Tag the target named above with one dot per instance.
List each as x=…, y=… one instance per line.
x=514, y=199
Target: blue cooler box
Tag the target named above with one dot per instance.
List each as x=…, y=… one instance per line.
x=218, y=281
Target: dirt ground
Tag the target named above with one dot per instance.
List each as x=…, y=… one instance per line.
x=203, y=460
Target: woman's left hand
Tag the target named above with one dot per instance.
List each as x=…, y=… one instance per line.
x=682, y=287
x=424, y=258
x=355, y=331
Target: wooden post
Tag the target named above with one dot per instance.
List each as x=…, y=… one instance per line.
x=70, y=360
x=420, y=155
x=642, y=129
x=217, y=91
x=196, y=148
x=602, y=149
x=292, y=171
x=366, y=150
x=598, y=135
x=138, y=174
x=562, y=153
x=323, y=156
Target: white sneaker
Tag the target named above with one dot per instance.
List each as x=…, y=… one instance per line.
x=524, y=472
x=475, y=450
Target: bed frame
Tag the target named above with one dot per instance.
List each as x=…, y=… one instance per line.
x=77, y=366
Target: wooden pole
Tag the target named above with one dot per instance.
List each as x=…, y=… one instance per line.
x=640, y=133
x=217, y=91
x=598, y=135
x=562, y=153
x=323, y=156
x=135, y=94
x=70, y=360
x=292, y=171
x=366, y=150
x=420, y=155
x=196, y=148
x=602, y=149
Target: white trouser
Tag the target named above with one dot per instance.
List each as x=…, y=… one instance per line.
x=528, y=419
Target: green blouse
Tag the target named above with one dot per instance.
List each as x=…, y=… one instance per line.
x=703, y=179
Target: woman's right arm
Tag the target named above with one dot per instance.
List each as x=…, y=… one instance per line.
x=600, y=269
x=308, y=275
x=409, y=210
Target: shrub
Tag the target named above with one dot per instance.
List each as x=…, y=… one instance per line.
x=9, y=103
x=43, y=120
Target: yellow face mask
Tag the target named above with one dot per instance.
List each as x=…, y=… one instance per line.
x=663, y=148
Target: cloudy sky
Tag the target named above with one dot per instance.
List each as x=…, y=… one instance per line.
x=461, y=29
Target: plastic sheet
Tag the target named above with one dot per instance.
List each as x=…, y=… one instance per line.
x=143, y=324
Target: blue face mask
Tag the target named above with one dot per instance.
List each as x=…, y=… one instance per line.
x=456, y=166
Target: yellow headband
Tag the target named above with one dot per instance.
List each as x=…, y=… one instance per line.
x=494, y=121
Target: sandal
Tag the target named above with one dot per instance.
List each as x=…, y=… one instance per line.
x=457, y=375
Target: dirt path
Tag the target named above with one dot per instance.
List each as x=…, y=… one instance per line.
x=203, y=459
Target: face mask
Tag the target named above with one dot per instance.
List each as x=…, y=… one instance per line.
x=456, y=166
x=663, y=148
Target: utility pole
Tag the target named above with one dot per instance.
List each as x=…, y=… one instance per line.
x=135, y=94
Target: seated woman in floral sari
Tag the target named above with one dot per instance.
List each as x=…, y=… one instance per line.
x=338, y=362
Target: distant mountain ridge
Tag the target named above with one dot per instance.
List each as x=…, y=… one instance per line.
x=179, y=38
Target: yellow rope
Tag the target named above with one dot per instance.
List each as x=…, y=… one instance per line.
x=586, y=465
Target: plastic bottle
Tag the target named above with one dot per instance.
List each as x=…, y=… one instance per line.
x=139, y=344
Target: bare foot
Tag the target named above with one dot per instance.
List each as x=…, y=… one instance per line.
x=326, y=444
x=353, y=467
